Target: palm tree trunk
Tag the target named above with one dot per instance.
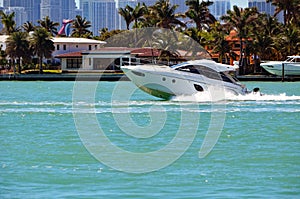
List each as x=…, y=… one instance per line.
x=135, y=37
x=13, y=65
x=19, y=65
x=41, y=65
x=241, y=67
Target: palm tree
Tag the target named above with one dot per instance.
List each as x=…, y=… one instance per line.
x=105, y=34
x=241, y=19
x=290, y=9
x=81, y=27
x=8, y=22
x=165, y=16
x=199, y=13
x=264, y=35
x=49, y=25
x=168, y=45
x=28, y=27
x=289, y=41
x=218, y=41
x=18, y=47
x=126, y=14
x=42, y=45
x=3, y=60
x=137, y=12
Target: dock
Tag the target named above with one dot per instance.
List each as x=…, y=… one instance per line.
x=65, y=77
x=266, y=78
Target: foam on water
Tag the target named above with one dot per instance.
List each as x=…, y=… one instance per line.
x=227, y=96
x=206, y=100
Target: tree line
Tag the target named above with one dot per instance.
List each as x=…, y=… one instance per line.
x=263, y=34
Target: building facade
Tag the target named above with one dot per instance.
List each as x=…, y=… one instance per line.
x=20, y=15
x=58, y=10
x=31, y=9
x=101, y=13
x=264, y=7
x=219, y=8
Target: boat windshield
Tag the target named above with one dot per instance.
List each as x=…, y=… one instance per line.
x=207, y=72
x=178, y=65
x=293, y=59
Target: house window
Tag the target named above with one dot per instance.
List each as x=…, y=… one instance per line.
x=237, y=45
x=90, y=47
x=65, y=47
x=74, y=63
x=57, y=47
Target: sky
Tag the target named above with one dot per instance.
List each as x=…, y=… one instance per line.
x=240, y=3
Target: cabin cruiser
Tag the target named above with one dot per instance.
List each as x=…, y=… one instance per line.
x=186, y=78
x=291, y=66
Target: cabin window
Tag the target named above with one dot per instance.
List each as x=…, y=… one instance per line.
x=198, y=69
x=198, y=88
x=96, y=46
x=90, y=47
x=208, y=72
x=76, y=46
x=189, y=68
x=225, y=78
x=57, y=47
x=65, y=47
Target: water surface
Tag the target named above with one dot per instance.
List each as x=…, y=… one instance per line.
x=42, y=156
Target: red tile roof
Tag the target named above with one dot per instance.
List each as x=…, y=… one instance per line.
x=69, y=55
x=139, y=52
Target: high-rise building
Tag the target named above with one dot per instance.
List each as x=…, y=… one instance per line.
x=31, y=8
x=68, y=9
x=101, y=13
x=20, y=15
x=264, y=7
x=58, y=10
x=219, y=8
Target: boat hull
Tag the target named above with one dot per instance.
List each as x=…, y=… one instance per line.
x=165, y=83
x=275, y=68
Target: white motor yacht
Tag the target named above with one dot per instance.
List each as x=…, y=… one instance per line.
x=291, y=66
x=186, y=78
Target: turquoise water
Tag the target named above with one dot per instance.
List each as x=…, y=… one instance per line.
x=42, y=155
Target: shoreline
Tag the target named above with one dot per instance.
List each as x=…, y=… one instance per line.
x=118, y=77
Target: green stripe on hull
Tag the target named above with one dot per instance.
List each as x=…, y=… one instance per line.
x=157, y=93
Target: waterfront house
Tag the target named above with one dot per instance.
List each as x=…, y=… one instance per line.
x=65, y=45
x=104, y=59
x=72, y=44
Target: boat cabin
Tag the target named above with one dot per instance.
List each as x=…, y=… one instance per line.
x=205, y=71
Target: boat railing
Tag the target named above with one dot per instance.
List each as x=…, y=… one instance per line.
x=126, y=61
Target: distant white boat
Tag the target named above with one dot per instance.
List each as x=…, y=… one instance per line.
x=291, y=66
x=186, y=78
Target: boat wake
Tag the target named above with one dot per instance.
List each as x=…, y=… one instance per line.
x=253, y=96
